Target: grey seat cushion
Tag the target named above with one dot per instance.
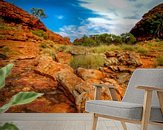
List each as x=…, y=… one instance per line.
x=125, y=110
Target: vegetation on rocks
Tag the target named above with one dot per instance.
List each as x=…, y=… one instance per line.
x=150, y=26
x=105, y=39
x=160, y=61
x=87, y=61
x=40, y=33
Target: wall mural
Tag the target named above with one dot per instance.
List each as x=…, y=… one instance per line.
x=61, y=48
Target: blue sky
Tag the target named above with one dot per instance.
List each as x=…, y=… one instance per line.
x=75, y=18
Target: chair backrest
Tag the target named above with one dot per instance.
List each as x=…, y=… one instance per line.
x=143, y=77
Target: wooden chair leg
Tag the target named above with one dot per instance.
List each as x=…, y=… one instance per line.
x=94, y=123
x=124, y=125
x=146, y=110
x=160, y=98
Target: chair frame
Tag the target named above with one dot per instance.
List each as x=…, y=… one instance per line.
x=146, y=106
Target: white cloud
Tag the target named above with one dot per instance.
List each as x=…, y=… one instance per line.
x=60, y=16
x=97, y=26
x=114, y=16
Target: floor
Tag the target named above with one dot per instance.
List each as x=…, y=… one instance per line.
x=45, y=121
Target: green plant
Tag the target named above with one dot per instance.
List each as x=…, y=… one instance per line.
x=6, y=49
x=18, y=99
x=142, y=50
x=8, y=126
x=4, y=26
x=87, y=61
x=160, y=61
x=127, y=47
x=128, y=38
x=2, y=37
x=44, y=45
x=40, y=33
x=39, y=13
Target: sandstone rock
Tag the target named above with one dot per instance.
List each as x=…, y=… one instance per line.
x=122, y=59
x=17, y=15
x=140, y=31
x=111, y=54
x=63, y=57
x=88, y=74
x=45, y=65
x=111, y=61
x=76, y=87
x=19, y=25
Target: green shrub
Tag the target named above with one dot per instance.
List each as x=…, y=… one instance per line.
x=49, y=52
x=44, y=45
x=142, y=50
x=87, y=61
x=128, y=38
x=127, y=47
x=160, y=61
x=6, y=49
x=4, y=26
x=85, y=41
x=3, y=37
x=40, y=33
x=104, y=48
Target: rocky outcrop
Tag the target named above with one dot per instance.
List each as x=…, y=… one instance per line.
x=122, y=61
x=90, y=75
x=146, y=28
x=15, y=15
x=19, y=25
x=63, y=57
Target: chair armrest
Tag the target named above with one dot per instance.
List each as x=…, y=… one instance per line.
x=147, y=88
x=159, y=93
x=98, y=88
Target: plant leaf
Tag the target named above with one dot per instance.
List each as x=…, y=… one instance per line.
x=5, y=107
x=24, y=98
x=4, y=72
x=8, y=126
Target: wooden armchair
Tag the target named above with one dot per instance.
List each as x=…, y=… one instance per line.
x=137, y=106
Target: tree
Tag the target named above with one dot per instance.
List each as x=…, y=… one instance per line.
x=38, y=12
x=128, y=38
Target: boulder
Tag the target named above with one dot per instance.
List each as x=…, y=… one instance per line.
x=45, y=65
x=75, y=87
x=90, y=74
x=63, y=57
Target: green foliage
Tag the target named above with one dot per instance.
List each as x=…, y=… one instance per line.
x=4, y=72
x=160, y=61
x=8, y=126
x=85, y=41
x=44, y=45
x=87, y=61
x=4, y=26
x=6, y=49
x=105, y=39
x=141, y=50
x=153, y=26
x=104, y=48
x=128, y=38
x=38, y=12
x=40, y=33
x=128, y=47
x=20, y=99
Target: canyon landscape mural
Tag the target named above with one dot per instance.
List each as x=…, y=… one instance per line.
x=62, y=48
